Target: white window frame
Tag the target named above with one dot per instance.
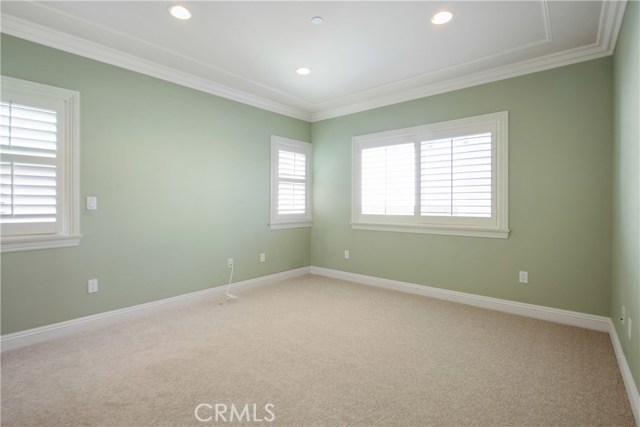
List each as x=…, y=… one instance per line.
x=67, y=154
x=495, y=227
x=279, y=221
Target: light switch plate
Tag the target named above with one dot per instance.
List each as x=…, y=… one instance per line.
x=92, y=203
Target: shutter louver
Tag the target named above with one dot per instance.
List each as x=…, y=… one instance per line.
x=27, y=131
x=292, y=170
x=388, y=180
x=456, y=176
x=28, y=144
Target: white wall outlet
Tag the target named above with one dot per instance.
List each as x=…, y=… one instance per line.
x=524, y=277
x=92, y=203
x=346, y=254
x=623, y=315
x=230, y=263
x=629, y=329
x=92, y=286
x=263, y=257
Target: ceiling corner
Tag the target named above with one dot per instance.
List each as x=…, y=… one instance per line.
x=610, y=24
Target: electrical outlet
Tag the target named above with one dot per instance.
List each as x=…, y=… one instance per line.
x=230, y=263
x=92, y=286
x=623, y=316
x=629, y=329
x=524, y=277
x=346, y=254
x=263, y=257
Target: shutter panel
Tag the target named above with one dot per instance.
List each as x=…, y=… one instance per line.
x=292, y=172
x=456, y=176
x=28, y=144
x=388, y=180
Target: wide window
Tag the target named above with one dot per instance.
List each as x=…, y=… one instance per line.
x=442, y=178
x=290, y=183
x=38, y=166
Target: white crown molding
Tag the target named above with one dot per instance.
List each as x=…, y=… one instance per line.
x=609, y=26
x=175, y=54
x=610, y=23
x=627, y=378
x=415, y=81
x=556, y=315
x=547, y=62
x=611, y=16
x=43, y=333
x=56, y=39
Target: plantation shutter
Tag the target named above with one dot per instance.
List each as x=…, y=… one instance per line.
x=28, y=169
x=388, y=180
x=292, y=185
x=456, y=177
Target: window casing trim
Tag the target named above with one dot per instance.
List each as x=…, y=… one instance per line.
x=494, y=227
x=68, y=233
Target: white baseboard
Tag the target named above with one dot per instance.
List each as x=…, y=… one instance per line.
x=629, y=383
x=588, y=321
x=43, y=333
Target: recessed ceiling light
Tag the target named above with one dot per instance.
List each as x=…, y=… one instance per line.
x=180, y=12
x=303, y=71
x=317, y=20
x=442, y=17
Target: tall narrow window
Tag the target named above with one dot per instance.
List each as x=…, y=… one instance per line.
x=444, y=178
x=38, y=166
x=292, y=186
x=290, y=183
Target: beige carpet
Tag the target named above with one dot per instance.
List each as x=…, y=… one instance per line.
x=324, y=353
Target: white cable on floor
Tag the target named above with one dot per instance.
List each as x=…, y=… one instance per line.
x=227, y=294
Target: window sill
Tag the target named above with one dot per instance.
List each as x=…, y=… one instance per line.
x=430, y=229
x=32, y=243
x=282, y=225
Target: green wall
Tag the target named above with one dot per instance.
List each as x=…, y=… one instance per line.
x=182, y=180
x=560, y=155
x=626, y=186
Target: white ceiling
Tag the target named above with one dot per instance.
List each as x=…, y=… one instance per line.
x=364, y=55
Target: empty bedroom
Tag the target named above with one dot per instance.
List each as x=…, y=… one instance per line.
x=320, y=213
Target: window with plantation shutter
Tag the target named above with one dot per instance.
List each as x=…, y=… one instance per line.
x=443, y=178
x=38, y=170
x=290, y=183
x=292, y=175
x=28, y=138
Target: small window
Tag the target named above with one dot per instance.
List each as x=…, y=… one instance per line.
x=290, y=183
x=443, y=178
x=38, y=166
